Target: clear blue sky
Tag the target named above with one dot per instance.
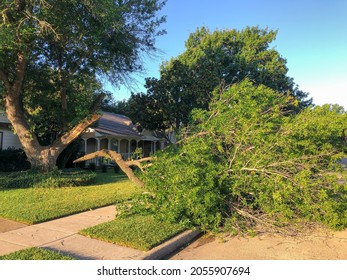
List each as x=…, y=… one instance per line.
x=312, y=36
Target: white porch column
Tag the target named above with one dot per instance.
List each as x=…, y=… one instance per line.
x=85, y=145
x=129, y=148
x=155, y=146
x=98, y=144
x=120, y=147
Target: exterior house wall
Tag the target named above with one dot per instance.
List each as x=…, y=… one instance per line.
x=8, y=139
x=104, y=143
x=123, y=147
x=118, y=133
x=114, y=132
x=91, y=145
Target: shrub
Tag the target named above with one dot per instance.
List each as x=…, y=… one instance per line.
x=13, y=160
x=56, y=178
x=92, y=166
x=69, y=154
x=116, y=168
x=104, y=168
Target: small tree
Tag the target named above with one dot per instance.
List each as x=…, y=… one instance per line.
x=247, y=160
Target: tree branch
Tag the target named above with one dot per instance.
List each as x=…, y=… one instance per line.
x=118, y=159
x=266, y=172
x=20, y=73
x=97, y=103
x=138, y=163
x=73, y=133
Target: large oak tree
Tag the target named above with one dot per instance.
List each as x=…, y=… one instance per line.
x=212, y=58
x=53, y=55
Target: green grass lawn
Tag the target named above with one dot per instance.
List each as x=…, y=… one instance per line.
x=35, y=205
x=35, y=254
x=139, y=232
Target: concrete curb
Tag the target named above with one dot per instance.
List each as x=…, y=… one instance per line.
x=171, y=245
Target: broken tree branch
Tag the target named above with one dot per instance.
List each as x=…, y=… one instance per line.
x=124, y=165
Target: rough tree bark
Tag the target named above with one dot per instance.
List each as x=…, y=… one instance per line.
x=40, y=157
x=124, y=165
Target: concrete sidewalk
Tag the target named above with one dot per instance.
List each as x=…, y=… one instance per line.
x=62, y=235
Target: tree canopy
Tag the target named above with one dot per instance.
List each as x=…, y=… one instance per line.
x=245, y=162
x=53, y=55
x=210, y=59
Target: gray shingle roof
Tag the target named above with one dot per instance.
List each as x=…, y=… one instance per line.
x=118, y=125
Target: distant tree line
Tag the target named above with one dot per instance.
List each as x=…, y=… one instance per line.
x=211, y=59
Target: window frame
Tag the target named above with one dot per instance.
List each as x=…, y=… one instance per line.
x=1, y=139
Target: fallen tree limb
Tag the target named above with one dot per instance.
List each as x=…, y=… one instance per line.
x=124, y=165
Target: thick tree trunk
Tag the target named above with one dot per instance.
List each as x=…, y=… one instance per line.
x=44, y=159
x=40, y=157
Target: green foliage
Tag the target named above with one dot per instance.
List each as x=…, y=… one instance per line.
x=92, y=166
x=211, y=58
x=13, y=160
x=322, y=125
x=247, y=160
x=66, y=49
x=183, y=189
x=104, y=168
x=56, y=178
x=62, y=34
x=116, y=168
x=137, y=154
x=69, y=154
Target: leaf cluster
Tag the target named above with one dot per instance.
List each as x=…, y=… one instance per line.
x=223, y=56
x=55, y=179
x=246, y=161
x=69, y=47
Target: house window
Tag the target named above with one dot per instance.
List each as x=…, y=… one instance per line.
x=1, y=139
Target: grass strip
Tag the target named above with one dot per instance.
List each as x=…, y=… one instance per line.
x=138, y=232
x=35, y=253
x=35, y=205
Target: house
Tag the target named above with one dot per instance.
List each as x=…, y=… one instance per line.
x=7, y=138
x=112, y=131
x=117, y=133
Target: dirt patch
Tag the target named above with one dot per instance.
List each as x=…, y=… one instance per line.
x=8, y=225
x=319, y=245
x=205, y=239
